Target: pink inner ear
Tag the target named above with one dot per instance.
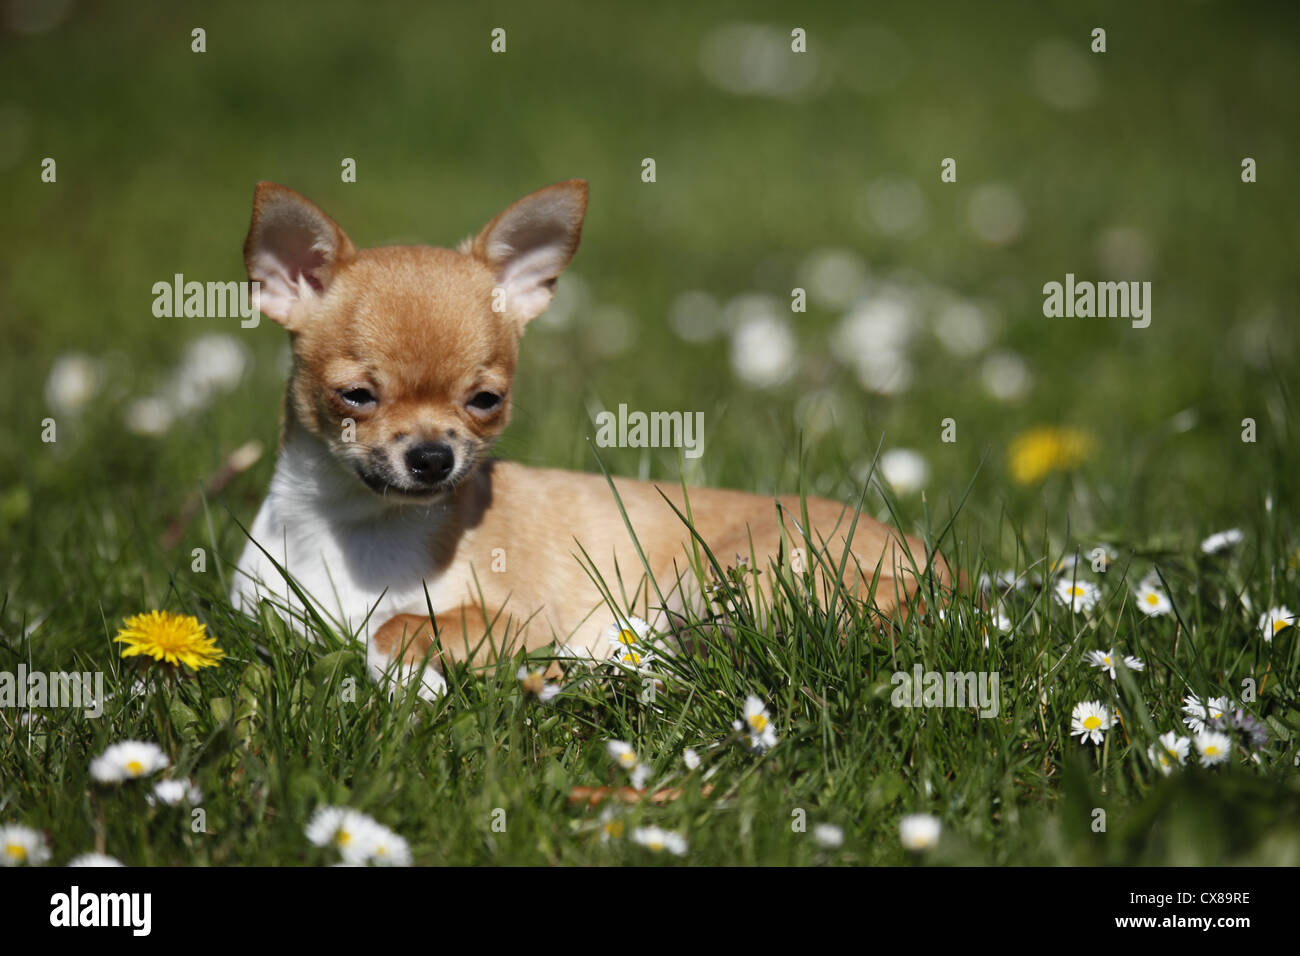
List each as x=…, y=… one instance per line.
x=530, y=246
x=292, y=252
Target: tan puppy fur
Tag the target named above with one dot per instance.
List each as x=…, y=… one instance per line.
x=384, y=501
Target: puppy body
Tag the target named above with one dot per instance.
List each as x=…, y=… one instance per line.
x=384, y=504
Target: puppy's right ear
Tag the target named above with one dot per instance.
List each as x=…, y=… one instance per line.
x=293, y=249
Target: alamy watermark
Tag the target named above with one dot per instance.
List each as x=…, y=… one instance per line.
x=82, y=690
x=684, y=430
x=922, y=688
x=1102, y=300
x=208, y=300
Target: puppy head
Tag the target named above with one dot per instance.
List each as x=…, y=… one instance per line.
x=404, y=355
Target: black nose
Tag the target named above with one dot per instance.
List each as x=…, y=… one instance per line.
x=430, y=462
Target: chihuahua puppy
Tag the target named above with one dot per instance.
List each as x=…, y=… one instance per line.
x=384, y=505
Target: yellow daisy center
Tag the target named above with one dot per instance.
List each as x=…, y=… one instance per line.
x=16, y=851
x=627, y=759
x=1092, y=723
x=1212, y=751
x=631, y=657
x=134, y=768
x=656, y=845
x=1279, y=624
x=614, y=828
x=343, y=838
x=1076, y=591
x=1153, y=598
x=627, y=636
x=758, y=721
x=533, y=683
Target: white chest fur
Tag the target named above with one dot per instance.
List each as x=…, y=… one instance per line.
x=359, y=560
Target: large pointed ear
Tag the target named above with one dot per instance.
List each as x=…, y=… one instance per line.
x=531, y=242
x=293, y=249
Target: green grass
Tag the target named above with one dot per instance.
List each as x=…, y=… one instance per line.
x=158, y=149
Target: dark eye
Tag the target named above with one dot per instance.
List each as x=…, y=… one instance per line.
x=485, y=401
x=357, y=397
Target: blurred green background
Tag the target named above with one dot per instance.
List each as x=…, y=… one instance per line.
x=774, y=171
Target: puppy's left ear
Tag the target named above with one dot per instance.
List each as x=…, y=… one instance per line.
x=530, y=243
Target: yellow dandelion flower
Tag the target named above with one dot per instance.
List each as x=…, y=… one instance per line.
x=174, y=638
x=1036, y=453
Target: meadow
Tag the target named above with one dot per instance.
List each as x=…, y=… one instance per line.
x=923, y=380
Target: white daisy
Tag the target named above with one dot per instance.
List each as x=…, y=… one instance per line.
x=612, y=825
x=828, y=835
x=691, y=759
x=1151, y=601
x=660, y=840
x=21, y=845
x=128, y=760
x=1079, y=596
x=919, y=831
x=630, y=645
x=1170, y=752
x=1214, y=747
x=1198, y=713
x=758, y=724
x=348, y=830
x=534, y=683
x=95, y=859
x=904, y=470
x=172, y=792
x=1222, y=540
x=386, y=848
x=1090, y=721
x=1104, y=660
x=623, y=754
x=1274, y=620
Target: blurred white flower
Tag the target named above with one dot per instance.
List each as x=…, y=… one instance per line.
x=1151, y=601
x=532, y=680
x=963, y=329
x=1171, y=751
x=660, y=841
x=1079, y=596
x=828, y=835
x=919, y=831
x=21, y=846
x=173, y=792
x=833, y=277
x=128, y=760
x=95, y=859
x=1198, y=713
x=894, y=207
x=1005, y=376
x=754, y=59
x=695, y=316
x=1274, y=620
x=756, y=722
x=358, y=838
x=149, y=416
x=73, y=381
x=1213, y=746
x=904, y=470
x=995, y=213
x=210, y=365
x=1222, y=541
x=763, y=351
